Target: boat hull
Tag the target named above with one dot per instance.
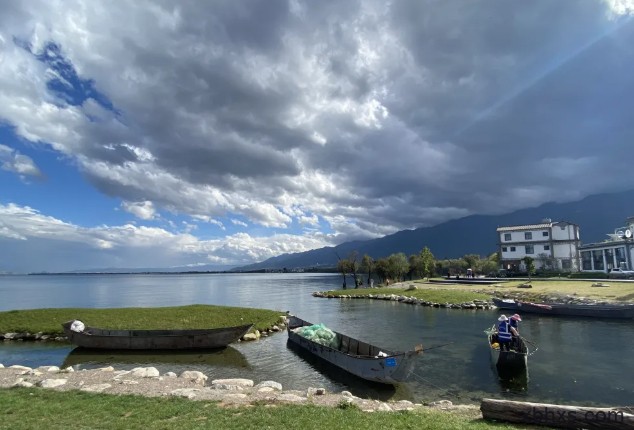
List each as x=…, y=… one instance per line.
x=508, y=363
x=394, y=368
x=625, y=311
x=96, y=338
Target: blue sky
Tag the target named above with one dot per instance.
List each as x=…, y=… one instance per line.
x=150, y=134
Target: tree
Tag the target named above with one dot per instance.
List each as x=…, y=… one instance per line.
x=367, y=264
x=472, y=261
x=428, y=262
x=546, y=261
x=381, y=269
x=343, y=268
x=398, y=266
x=353, y=266
x=415, y=267
x=530, y=266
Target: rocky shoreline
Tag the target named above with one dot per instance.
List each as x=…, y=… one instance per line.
x=194, y=385
x=475, y=304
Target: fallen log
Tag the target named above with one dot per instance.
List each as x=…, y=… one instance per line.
x=557, y=415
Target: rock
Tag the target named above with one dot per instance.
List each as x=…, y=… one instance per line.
x=145, y=372
x=270, y=384
x=189, y=393
x=346, y=394
x=275, y=328
x=412, y=287
x=227, y=387
x=170, y=375
x=316, y=391
x=106, y=369
x=67, y=370
x=128, y=382
x=442, y=404
x=22, y=383
x=18, y=367
x=249, y=337
x=266, y=390
x=11, y=336
x=384, y=407
x=235, y=381
x=51, y=369
x=234, y=397
x=52, y=383
x=294, y=398
x=96, y=388
x=194, y=376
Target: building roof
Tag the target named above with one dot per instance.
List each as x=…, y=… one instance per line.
x=533, y=226
x=525, y=227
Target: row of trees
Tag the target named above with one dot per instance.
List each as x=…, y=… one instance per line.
x=398, y=267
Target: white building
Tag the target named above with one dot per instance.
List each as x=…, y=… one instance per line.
x=552, y=245
x=615, y=252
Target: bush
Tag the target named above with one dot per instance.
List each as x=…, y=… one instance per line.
x=588, y=275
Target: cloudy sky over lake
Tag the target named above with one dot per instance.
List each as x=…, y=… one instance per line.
x=160, y=134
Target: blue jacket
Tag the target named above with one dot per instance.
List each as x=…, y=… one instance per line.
x=514, y=323
x=504, y=332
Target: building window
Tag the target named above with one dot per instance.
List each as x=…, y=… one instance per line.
x=507, y=237
x=597, y=258
x=586, y=260
x=545, y=233
x=546, y=247
x=528, y=235
x=512, y=249
x=504, y=249
x=609, y=258
x=529, y=249
x=566, y=264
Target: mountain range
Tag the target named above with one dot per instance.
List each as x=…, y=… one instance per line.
x=596, y=215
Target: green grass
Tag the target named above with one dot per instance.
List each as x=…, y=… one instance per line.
x=39, y=408
x=431, y=295
x=182, y=317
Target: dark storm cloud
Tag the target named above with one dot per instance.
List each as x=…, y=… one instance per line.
x=390, y=115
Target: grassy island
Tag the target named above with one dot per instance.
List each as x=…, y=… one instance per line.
x=49, y=320
x=540, y=289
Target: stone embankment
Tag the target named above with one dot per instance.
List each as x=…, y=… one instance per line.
x=194, y=385
x=475, y=304
x=25, y=336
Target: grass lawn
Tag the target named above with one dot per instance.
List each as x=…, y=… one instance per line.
x=32, y=408
x=181, y=317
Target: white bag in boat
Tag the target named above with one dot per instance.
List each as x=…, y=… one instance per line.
x=77, y=326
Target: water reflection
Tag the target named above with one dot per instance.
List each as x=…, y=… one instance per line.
x=220, y=358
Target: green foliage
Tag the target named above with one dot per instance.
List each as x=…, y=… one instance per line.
x=367, y=265
x=182, y=317
x=428, y=262
x=398, y=266
x=60, y=410
x=530, y=266
x=587, y=275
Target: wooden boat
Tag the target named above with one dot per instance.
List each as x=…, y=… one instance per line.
x=97, y=338
x=569, y=309
x=357, y=357
x=510, y=362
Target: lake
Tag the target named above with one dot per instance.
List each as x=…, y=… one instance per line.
x=578, y=361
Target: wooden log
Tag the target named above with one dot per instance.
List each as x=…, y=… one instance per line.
x=558, y=415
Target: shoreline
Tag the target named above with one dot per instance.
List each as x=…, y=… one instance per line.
x=194, y=385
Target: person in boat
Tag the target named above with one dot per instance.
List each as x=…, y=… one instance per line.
x=504, y=333
x=514, y=322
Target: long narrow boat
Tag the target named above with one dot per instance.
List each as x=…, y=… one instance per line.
x=98, y=338
x=359, y=358
x=507, y=362
x=569, y=309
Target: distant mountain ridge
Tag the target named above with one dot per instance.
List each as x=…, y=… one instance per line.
x=596, y=216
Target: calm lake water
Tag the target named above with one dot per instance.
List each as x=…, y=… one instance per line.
x=579, y=361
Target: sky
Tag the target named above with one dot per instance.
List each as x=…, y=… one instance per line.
x=161, y=134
